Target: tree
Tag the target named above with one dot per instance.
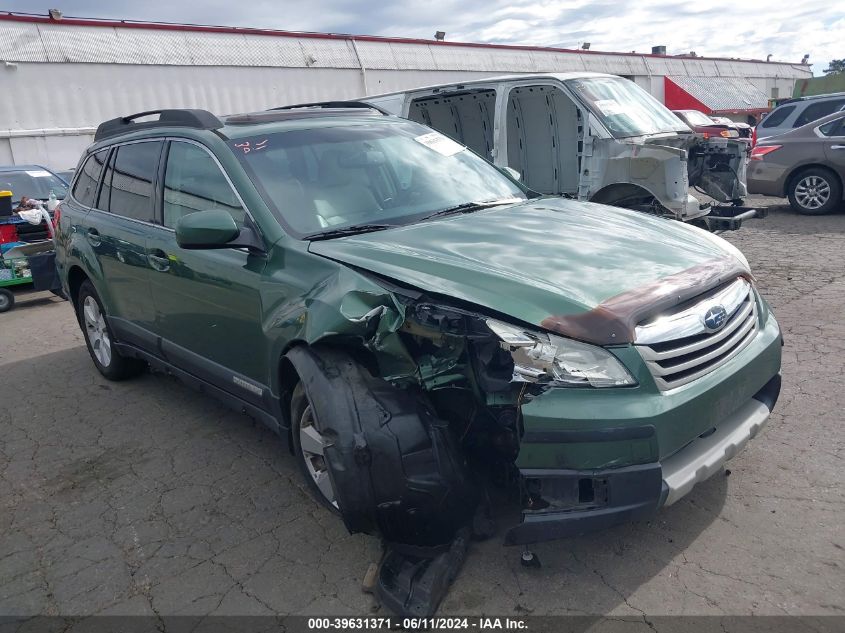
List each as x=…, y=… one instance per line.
x=835, y=66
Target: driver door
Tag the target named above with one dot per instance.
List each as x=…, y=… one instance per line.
x=207, y=302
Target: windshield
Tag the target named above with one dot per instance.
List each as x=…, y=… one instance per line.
x=32, y=183
x=374, y=173
x=625, y=108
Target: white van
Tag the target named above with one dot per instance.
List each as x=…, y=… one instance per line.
x=593, y=136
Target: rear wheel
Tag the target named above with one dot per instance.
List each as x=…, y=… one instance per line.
x=99, y=338
x=309, y=445
x=7, y=300
x=814, y=192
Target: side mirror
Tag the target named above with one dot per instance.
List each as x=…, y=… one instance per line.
x=511, y=173
x=214, y=229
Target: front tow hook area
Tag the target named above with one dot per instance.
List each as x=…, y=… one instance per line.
x=730, y=217
x=576, y=502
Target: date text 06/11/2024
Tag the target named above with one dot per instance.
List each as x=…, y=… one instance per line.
x=445, y=624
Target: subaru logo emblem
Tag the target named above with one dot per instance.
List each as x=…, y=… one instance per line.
x=715, y=318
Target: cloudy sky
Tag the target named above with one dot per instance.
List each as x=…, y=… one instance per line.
x=722, y=28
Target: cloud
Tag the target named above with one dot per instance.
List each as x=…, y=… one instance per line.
x=720, y=28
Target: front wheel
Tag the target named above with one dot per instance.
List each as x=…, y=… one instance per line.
x=309, y=444
x=99, y=338
x=814, y=192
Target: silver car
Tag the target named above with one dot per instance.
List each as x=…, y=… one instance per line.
x=794, y=113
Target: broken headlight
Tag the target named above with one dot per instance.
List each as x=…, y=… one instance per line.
x=546, y=358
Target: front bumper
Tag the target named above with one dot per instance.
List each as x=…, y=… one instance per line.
x=598, y=499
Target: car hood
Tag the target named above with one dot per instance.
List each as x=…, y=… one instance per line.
x=534, y=259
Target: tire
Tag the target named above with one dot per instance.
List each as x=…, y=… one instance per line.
x=307, y=446
x=814, y=191
x=7, y=300
x=99, y=338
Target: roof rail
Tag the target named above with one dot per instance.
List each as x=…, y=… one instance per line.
x=199, y=119
x=334, y=104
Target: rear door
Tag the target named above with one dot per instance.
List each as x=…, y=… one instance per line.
x=834, y=144
x=207, y=302
x=117, y=228
x=70, y=231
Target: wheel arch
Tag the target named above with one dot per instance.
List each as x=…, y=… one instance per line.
x=292, y=368
x=800, y=169
x=75, y=278
x=614, y=192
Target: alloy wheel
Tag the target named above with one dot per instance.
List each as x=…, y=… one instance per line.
x=313, y=445
x=96, y=331
x=812, y=192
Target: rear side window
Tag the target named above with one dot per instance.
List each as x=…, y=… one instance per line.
x=817, y=111
x=133, y=168
x=105, y=189
x=777, y=116
x=832, y=128
x=85, y=187
x=193, y=182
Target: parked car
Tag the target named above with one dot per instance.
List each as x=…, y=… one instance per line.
x=32, y=181
x=807, y=165
x=794, y=113
x=744, y=129
x=704, y=125
x=416, y=324
x=592, y=136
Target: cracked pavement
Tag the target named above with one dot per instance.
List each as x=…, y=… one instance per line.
x=145, y=497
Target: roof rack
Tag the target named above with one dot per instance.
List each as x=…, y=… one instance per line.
x=199, y=119
x=334, y=104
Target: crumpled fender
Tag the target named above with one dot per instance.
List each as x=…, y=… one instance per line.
x=342, y=308
x=396, y=468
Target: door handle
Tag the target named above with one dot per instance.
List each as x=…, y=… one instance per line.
x=158, y=260
x=837, y=147
x=93, y=236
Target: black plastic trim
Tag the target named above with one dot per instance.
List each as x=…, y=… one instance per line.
x=768, y=395
x=203, y=386
x=634, y=492
x=358, y=105
x=559, y=436
x=192, y=118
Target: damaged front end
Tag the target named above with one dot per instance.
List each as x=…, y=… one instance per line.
x=667, y=167
x=415, y=455
x=717, y=166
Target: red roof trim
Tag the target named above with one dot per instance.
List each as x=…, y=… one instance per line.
x=676, y=98
x=203, y=28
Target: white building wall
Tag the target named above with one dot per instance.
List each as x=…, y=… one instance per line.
x=59, y=81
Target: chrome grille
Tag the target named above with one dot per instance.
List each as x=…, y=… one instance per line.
x=678, y=347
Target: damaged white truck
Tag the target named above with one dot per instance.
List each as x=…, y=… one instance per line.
x=590, y=136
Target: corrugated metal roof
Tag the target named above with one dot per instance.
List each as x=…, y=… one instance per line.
x=722, y=94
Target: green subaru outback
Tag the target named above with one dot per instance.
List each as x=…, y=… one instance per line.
x=418, y=326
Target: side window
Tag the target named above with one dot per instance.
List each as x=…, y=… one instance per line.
x=132, y=182
x=833, y=128
x=777, y=116
x=193, y=182
x=105, y=188
x=817, y=111
x=85, y=187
